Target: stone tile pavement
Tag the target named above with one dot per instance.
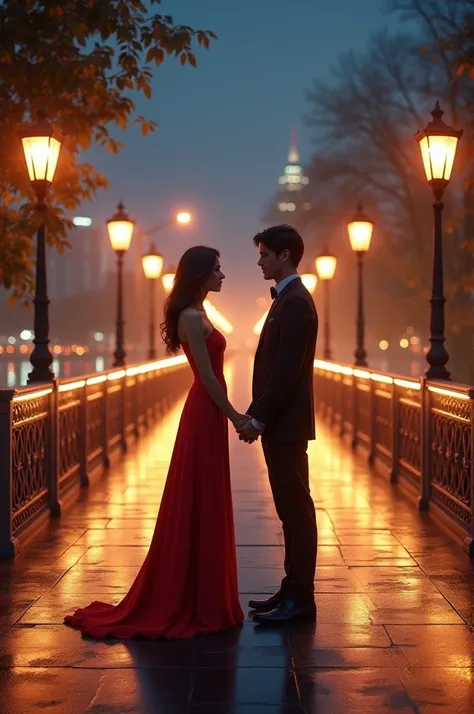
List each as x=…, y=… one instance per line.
x=394, y=597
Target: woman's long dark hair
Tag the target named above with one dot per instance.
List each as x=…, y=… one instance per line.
x=194, y=268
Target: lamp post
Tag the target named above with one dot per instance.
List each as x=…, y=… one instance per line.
x=152, y=266
x=438, y=143
x=325, y=268
x=41, y=147
x=309, y=279
x=168, y=279
x=360, y=234
x=120, y=228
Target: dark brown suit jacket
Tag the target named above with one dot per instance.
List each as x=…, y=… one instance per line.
x=282, y=385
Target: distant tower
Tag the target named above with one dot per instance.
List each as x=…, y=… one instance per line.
x=292, y=194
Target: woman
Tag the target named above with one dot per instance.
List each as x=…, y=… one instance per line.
x=188, y=582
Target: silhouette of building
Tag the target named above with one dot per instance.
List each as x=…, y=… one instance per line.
x=84, y=266
x=292, y=197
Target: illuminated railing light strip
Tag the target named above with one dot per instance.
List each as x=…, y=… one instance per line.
x=131, y=371
x=71, y=386
x=97, y=380
x=448, y=392
x=381, y=378
x=116, y=375
x=328, y=366
x=416, y=386
x=361, y=373
x=33, y=395
x=346, y=370
x=332, y=367
x=170, y=362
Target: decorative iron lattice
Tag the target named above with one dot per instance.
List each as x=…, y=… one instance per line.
x=451, y=406
x=95, y=420
x=409, y=434
x=34, y=473
x=114, y=405
x=130, y=387
x=451, y=454
x=383, y=419
x=69, y=436
x=336, y=398
x=30, y=459
x=143, y=387
x=348, y=401
x=363, y=408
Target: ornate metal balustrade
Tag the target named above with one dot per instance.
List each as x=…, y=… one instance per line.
x=53, y=437
x=420, y=433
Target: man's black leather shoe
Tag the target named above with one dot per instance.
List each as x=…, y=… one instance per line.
x=287, y=611
x=267, y=605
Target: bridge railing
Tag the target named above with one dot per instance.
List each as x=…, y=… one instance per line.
x=54, y=436
x=418, y=432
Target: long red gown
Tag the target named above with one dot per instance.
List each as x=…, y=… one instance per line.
x=188, y=582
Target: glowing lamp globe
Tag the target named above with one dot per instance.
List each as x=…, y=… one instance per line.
x=168, y=279
x=41, y=147
x=183, y=217
x=360, y=231
x=438, y=143
x=326, y=265
x=120, y=228
x=152, y=263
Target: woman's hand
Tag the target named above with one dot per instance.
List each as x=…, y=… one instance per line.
x=240, y=420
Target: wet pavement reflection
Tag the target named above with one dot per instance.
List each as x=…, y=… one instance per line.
x=394, y=598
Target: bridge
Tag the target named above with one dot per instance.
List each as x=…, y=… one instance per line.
x=83, y=465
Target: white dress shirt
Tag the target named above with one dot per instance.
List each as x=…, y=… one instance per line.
x=278, y=287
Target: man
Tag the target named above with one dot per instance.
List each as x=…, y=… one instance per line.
x=282, y=412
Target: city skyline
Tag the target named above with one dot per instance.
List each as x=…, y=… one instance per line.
x=220, y=153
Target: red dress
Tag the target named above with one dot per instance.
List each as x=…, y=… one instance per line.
x=188, y=582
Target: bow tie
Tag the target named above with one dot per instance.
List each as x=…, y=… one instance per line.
x=273, y=293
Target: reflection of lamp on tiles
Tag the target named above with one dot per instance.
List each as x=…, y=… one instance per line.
x=217, y=318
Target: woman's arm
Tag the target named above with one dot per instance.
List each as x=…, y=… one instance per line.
x=192, y=329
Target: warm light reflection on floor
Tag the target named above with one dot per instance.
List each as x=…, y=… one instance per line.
x=393, y=593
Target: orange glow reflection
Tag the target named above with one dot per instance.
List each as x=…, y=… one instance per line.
x=217, y=318
x=259, y=326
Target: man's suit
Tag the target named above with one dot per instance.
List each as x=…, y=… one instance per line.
x=282, y=400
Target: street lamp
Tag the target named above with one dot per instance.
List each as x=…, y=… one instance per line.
x=120, y=228
x=168, y=279
x=325, y=268
x=184, y=218
x=360, y=234
x=41, y=147
x=152, y=266
x=309, y=279
x=438, y=143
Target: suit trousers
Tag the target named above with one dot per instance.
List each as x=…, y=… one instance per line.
x=288, y=471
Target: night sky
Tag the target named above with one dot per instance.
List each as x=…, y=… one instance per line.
x=223, y=132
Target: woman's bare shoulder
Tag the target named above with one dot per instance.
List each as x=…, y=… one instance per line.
x=190, y=323
x=190, y=315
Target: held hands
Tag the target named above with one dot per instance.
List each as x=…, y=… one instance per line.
x=240, y=421
x=245, y=429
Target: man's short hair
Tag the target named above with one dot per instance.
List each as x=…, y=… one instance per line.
x=280, y=238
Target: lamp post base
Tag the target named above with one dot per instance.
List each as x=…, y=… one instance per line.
x=119, y=359
x=43, y=374
x=440, y=372
x=360, y=358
